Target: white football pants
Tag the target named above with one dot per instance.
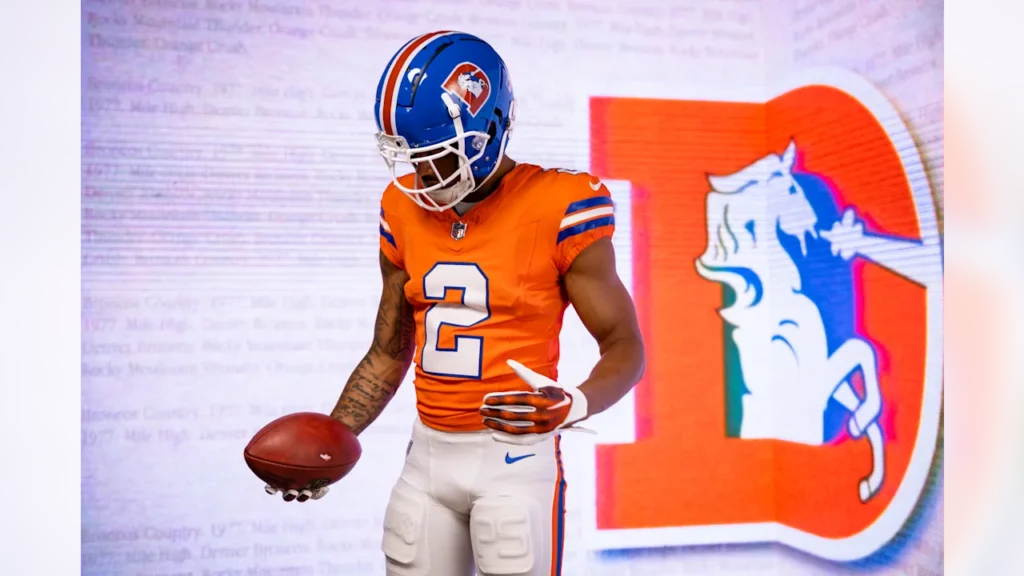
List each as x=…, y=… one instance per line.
x=466, y=502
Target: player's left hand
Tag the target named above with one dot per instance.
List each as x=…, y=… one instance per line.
x=525, y=418
x=302, y=496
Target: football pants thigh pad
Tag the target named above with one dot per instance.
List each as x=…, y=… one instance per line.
x=404, y=520
x=503, y=532
x=424, y=538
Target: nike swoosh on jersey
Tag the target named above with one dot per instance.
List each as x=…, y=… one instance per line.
x=509, y=459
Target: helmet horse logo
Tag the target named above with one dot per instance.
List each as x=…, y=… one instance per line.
x=468, y=83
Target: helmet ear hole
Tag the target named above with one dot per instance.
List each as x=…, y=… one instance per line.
x=497, y=121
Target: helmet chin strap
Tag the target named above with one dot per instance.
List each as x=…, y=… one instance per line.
x=430, y=203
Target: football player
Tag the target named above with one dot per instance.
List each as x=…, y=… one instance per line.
x=480, y=256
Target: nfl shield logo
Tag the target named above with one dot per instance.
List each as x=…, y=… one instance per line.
x=458, y=230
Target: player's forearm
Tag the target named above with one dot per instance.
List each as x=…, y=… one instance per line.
x=619, y=369
x=368, y=391
x=376, y=379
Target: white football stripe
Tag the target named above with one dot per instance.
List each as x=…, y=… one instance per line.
x=402, y=72
x=387, y=76
x=586, y=215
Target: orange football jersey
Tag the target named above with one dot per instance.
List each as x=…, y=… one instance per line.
x=487, y=287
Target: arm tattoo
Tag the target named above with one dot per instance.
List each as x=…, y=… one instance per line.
x=394, y=330
x=377, y=377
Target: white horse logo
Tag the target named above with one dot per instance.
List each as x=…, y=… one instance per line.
x=760, y=224
x=471, y=85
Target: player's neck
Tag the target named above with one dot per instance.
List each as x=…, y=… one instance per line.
x=506, y=166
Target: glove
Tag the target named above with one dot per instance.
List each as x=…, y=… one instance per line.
x=525, y=418
x=302, y=496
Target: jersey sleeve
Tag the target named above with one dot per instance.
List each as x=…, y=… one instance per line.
x=587, y=215
x=389, y=226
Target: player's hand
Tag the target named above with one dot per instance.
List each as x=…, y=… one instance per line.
x=298, y=495
x=528, y=417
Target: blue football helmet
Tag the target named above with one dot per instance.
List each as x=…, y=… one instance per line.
x=444, y=93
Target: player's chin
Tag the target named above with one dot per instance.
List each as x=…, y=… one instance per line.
x=444, y=196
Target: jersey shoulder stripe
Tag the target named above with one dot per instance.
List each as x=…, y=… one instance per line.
x=588, y=203
x=586, y=215
x=385, y=230
x=587, y=226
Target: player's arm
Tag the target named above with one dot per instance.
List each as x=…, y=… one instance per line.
x=606, y=310
x=377, y=377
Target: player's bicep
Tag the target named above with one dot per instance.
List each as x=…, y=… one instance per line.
x=394, y=328
x=599, y=296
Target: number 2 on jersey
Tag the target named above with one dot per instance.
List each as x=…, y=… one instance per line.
x=465, y=358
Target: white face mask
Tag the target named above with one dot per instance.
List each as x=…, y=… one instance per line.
x=450, y=190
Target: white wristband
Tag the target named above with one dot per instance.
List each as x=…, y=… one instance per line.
x=578, y=410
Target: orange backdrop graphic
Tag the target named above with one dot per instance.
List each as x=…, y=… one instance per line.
x=683, y=470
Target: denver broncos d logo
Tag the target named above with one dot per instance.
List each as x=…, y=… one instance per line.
x=788, y=276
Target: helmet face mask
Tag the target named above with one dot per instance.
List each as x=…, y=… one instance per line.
x=446, y=187
x=444, y=111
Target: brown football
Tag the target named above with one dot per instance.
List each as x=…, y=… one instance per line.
x=303, y=451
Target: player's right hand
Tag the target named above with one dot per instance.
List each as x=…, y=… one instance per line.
x=298, y=495
x=526, y=418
